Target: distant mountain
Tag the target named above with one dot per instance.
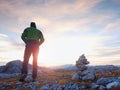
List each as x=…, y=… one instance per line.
x=66, y=67
x=100, y=67
x=104, y=67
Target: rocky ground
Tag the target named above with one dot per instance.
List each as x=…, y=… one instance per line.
x=61, y=80
x=105, y=78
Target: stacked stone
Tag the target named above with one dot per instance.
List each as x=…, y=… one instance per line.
x=82, y=72
x=81, y=63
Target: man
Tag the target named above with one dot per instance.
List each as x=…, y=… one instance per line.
x=33, y=38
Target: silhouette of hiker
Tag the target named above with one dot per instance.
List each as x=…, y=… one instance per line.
x=33, y=38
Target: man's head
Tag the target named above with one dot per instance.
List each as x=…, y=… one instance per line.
x=32, y=24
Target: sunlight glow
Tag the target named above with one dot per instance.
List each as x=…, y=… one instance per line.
x=64, y=45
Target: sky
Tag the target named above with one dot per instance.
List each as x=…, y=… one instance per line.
x=70, y=28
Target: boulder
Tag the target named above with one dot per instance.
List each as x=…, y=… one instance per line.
x=13, y=67
x=113, y=85
x=103, y=81
x=89, y=76
x=2, y=68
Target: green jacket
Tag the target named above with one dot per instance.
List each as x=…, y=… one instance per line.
x=32, y=33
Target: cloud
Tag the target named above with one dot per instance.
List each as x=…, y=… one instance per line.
x=7, y=44
x=48, y=8
x=104, y=53
x=106, y=47
x=54, y=16
x=3, y=35
x=57, y=8
x=115, y=61
x=116, y=1
x=113, y=26
x=105, y=56
x=10, y=50
x=107, y=51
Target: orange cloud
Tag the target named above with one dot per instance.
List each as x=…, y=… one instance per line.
x=50, y=9
x=48, y=14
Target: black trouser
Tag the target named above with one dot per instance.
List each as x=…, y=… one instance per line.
x=32, y=47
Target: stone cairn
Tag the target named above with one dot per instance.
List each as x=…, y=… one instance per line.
x=82, y=72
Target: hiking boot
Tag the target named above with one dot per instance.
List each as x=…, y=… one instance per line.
x=23, y=76
x=21, y=80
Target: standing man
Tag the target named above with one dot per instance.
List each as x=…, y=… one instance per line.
x=33, y=38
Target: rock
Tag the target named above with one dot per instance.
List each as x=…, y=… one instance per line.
x=4, y=75
x=82, y=70
x=82, y=67
x=28, y=86
x=103, y=81
x=2, y=68
x=94, y=86
x=74, y=86
x=89, y=76
x=82, y=60
x=18, y=83
x=3, y=85
x=102, y=87
x=28, y=79
x=18, y=88
x=118, y=79
x=46, y=87
x=13, y=67
x=83, y=87
x=75, y=76
x=86, y=72
x=113, y=84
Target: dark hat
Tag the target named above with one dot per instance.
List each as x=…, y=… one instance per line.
x=32, y=24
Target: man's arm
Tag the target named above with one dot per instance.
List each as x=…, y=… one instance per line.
x=24, y=35
x=41, y=38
